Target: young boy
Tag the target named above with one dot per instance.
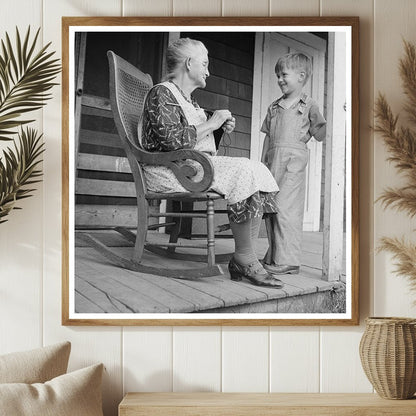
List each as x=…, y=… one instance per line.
x=290, y=123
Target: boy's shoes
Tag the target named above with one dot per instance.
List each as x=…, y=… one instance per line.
x=281, y=268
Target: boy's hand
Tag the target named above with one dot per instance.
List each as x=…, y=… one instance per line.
x=229, y=125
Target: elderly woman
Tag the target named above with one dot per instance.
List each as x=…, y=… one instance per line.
x=172, y=120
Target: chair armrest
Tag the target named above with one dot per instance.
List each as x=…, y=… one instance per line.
x=184, y=173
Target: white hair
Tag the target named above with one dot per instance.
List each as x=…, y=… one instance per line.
x=180, y=50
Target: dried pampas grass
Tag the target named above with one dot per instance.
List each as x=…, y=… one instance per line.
x=401, y=143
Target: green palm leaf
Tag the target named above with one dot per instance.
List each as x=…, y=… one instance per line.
x=25, y=79
x=19, y=169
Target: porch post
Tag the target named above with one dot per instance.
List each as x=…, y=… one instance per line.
x=80, y=51
x=332, y=261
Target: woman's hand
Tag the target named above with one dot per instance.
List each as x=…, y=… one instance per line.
x=219, y=117
x=229, y=125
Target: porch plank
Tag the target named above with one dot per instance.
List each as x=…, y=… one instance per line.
x=145, y=293
x=200, y=299
x=310, y=303
x=139, y=283
x=268, y=306
x=304, y=285
x=231, y=293
x=98, y=297
x=135, y=301
x=312, y=260
x=85, y=304
x=189, y=301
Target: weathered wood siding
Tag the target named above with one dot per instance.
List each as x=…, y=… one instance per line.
x=105, y=195
x=230, y=84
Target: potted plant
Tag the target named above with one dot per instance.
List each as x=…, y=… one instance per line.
x=388, y=345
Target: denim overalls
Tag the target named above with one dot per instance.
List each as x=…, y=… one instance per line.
x=289, y=129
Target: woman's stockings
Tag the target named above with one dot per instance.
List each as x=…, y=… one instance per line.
x=245, y=234
x=255, y=229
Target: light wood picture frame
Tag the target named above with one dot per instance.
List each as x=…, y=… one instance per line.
x=104, y=281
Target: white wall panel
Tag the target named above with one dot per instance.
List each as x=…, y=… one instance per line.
x=245, y=8
x=255, y=359
x=84, y=7
x=89, y=344
x=294, y=8
x=245, y=350
x=335, y=343
x=21, y=275
x=365, y=10
x=245, y=359
x=196, y=359
x=341, y=370
x=394, y=21
x=147, y=359
x=20, y=13
x=147, y=8
x=294, y=351
x=205, y=8
x=21, y=237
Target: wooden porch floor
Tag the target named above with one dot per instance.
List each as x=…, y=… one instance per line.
x=101, y=287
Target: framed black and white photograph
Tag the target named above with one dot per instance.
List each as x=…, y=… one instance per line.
x=210, y=171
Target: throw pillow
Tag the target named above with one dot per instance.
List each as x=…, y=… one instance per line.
x=73, y=394
x=35, y=366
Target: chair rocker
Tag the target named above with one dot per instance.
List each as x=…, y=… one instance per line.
x=128, y=89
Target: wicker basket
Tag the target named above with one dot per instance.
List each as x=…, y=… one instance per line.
x=388, y=356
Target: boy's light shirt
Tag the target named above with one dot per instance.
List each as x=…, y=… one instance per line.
x=295, y=125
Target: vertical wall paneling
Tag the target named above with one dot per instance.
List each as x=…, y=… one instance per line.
x=245, y=8
x=363, y=9
x=400, y=16
x=342, y=346
x=232, y=358
x=196, y=359
x=147, y=8
x=245, y=350
x=147, y=359
x=245, y=359
x=21, y=237
x=294, y=8
x=89, y=344
x=20, y=13
x=341, y=370
x=188, y=7
x=191, y=372
x=294, y=351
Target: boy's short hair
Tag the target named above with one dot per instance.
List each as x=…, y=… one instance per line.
x=297, y=61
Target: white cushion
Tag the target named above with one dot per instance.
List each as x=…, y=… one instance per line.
x=73, y=394
x=35, y=366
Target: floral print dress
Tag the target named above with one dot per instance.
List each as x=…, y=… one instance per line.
x=169, y=122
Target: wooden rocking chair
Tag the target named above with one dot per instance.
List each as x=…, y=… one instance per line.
x=128, y=89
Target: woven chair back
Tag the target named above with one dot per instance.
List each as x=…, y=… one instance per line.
x=130, y=89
